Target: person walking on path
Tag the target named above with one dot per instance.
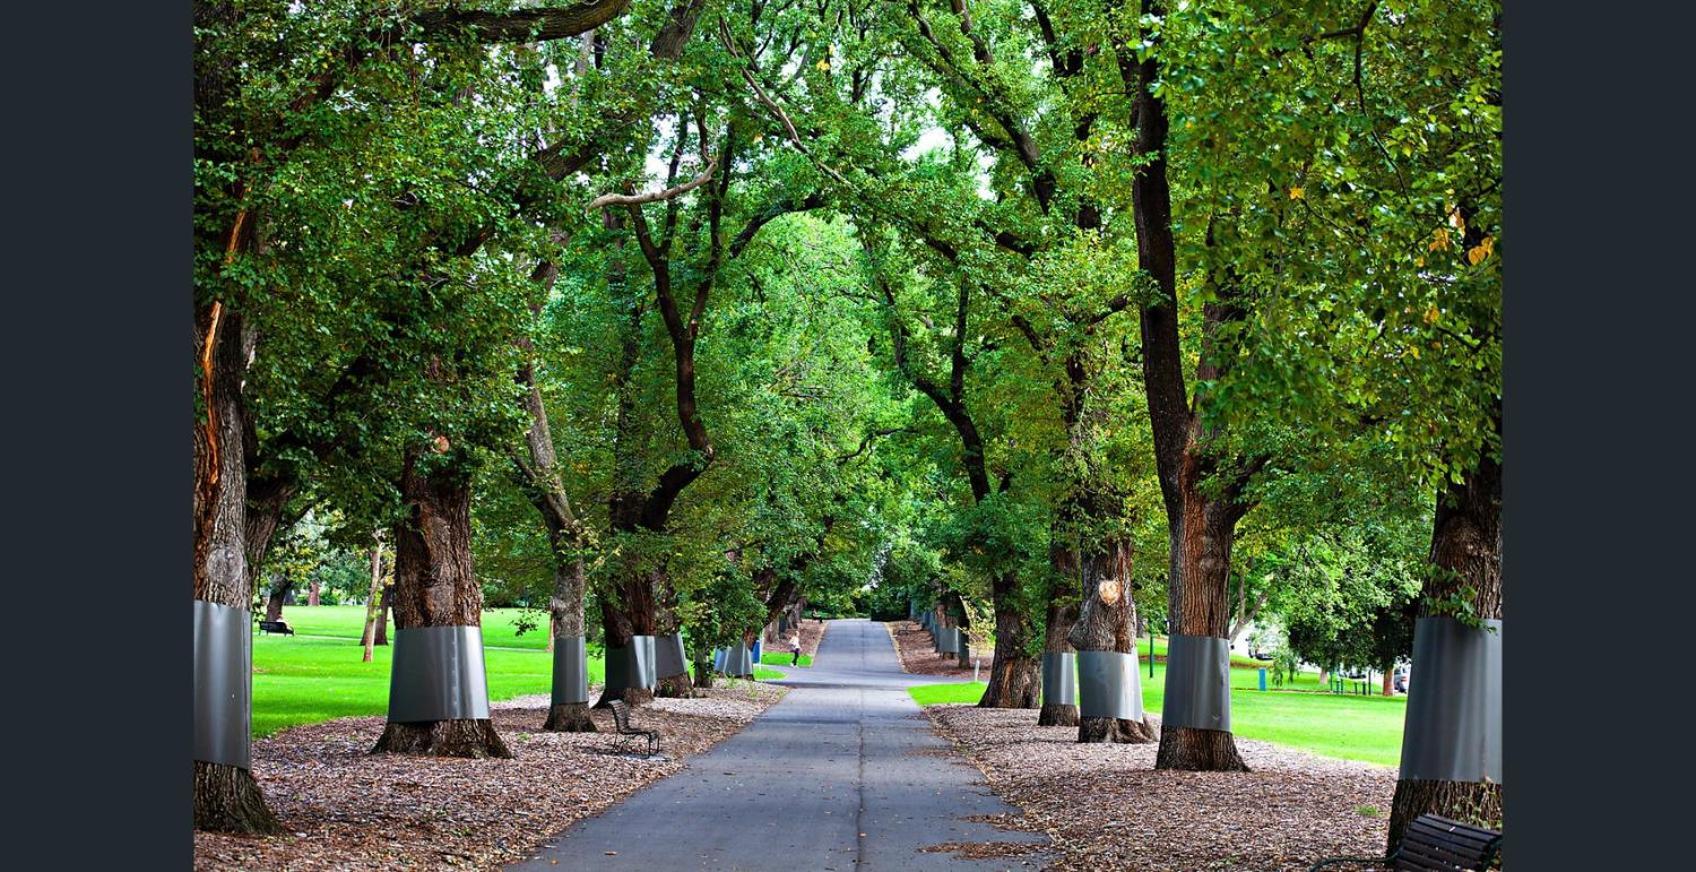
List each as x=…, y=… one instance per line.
x=795, y=645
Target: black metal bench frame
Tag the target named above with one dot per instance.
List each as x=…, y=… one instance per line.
x=1433, y=843
x=627, y=733
x=276, y=627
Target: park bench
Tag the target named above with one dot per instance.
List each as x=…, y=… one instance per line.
x=1433, y=843
x=276, y=627
x=621, y=720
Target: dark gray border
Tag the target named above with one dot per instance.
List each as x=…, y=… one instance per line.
x=1596, y=209
x=96, y=356
x=1597, y=484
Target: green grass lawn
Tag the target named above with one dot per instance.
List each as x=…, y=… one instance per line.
x=499, y=625
x=317, y=675
x=782, y=658
x=1349, y=727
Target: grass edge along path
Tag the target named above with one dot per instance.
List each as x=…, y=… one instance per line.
x=317, y=675
x=1344, y=726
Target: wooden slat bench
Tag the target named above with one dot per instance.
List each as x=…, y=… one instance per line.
x=276, y=627
x=621, y=720
x=1433, y=843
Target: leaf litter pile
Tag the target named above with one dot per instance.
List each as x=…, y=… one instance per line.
x=1105, y=807
x=917, y=652
x=344, y=808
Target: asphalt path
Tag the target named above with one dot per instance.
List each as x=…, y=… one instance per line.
x=843, y=774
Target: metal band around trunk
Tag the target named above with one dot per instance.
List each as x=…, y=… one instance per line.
x=1198, y=683
x=669, y=657
x=738, y=661
x=571, y=670
x=948, y=640
x=223, y=684
x=437, y=675
x=718, y=659
x=1454, y=702
x=1059, y=678
x=632, y=667
x=1108, y=685
x=645, y=651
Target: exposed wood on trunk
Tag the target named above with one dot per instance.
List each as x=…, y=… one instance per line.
x=1107, y=622
x=226, y=798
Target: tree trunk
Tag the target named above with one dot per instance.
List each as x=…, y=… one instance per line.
x=1107, y=622
x=704, y=667
x=1389, y=687
x=280, y=586
x=566, y=615
x=312, y=592
x=621, y=622
x=385, y=607
x=1201, y=529
x=372, y=599
x=676, y=685
x=1015, y=677
x=1200, y=560
x=435, y=587
x=226, y=797
x=1062, y=611
x=1466, y=552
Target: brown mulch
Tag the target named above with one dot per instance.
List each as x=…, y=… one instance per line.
x=917, y=652
x=344, y=808
x=1105, y=806
x=984, y=850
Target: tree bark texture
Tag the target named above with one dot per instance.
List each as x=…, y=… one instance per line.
x=1202, y=529
x=1015, y=677
x=385, y=608
x=226, y=798
x=1466, y=552
x=1200, y=561
x=436, y=587
x=1107, y=622
x=539, y=471
x=676, y=685
x=1062, y=611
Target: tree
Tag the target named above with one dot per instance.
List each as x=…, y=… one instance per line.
x=241, y=137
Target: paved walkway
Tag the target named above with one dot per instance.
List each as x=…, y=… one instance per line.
x=843, y=774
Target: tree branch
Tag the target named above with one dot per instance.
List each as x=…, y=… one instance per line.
x=672, y=193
